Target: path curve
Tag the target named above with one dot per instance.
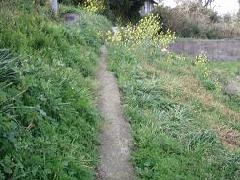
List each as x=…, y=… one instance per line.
x=116, y=139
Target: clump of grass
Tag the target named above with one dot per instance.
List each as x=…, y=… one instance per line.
x=7, y=64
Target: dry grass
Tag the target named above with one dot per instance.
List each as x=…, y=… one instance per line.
x=186, y=88
x=229, y=137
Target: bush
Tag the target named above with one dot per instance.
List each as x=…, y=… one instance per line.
x=147, y=32
x=193, y=20
x=96, y=6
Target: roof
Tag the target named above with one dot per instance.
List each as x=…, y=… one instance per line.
x=154, y=1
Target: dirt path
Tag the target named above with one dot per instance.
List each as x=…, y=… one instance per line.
x=116, y=137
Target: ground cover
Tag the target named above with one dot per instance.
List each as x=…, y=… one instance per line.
x=49, y=121
x=182, y=126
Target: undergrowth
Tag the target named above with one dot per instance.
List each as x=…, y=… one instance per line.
x=225, y=72
x=181, y=126
x=49, y=122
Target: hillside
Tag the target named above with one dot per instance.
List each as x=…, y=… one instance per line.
x=164, y=116
x=49, y=123
x=183, y=123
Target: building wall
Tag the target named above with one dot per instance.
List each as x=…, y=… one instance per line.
x=147, y=8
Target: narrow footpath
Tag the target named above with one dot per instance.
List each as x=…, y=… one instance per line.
x=116, y=139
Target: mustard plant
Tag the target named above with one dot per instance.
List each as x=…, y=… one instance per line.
x=95, y=6
x=147, y=32
x=202, y=63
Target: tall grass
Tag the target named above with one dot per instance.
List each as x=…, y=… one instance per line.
x=49, y=122
x=182, y=128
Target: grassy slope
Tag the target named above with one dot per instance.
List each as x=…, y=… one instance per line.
x=226, y=71
x=48, y=119
x=181, y=129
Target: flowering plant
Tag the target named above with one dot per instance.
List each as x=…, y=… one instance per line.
x=146, y=32
x=201, y=63
x=95, y=6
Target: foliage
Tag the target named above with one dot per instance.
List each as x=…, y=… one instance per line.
x=146, y=32
x=72, y=2
x=194, y=20
x=204, y=73
x=126, y=10
x=95, y=6
x=201, y=64
x=181, y=126
x=123, y=11
x=49, y=122
x=224, y=72
x=173, y=118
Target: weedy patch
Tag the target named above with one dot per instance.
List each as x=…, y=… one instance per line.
x=49, y=122
x=173, y=104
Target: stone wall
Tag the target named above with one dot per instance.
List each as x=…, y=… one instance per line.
x=227, y=50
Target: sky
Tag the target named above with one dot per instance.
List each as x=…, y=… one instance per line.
x=221, y=6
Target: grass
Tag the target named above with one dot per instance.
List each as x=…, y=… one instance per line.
x=182, y=128
x=226, y=70
x=49, y=122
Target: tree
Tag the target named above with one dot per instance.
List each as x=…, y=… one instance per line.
x=206, y=3
x=123, y=9
x=126, y=9
x=227, y=18
x=238, y=14
x=239, y=6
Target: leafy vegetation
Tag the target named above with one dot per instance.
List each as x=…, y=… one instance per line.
x=48, y=118
x=191, y=19
x=183, y=128
x=117, y=10
x=147, y=33
x=225, y=72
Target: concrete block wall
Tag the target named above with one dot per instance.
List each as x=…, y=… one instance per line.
x=221, y=50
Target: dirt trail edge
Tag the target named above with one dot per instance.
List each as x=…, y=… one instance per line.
x=116, y=139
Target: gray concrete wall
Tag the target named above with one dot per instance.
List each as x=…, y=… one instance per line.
x=223, y=50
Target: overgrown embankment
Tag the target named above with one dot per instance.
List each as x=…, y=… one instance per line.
x=184, y=125
x=48, y=118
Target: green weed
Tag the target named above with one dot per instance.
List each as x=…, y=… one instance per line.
x=49, y=122
x=175, y=118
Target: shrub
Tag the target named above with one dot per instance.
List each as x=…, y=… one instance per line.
x=95, y=6
x=193, y=20
x=146, y=32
